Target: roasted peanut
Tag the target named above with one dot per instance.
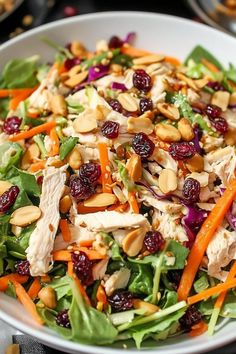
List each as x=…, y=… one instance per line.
x=65, y=204
x=4, y=186
x=221, y=99
x=85, y=122
x=58, y=105
x=48, y=297
x=25, y=215
x=76, y=79
x=133, y=242
x=74, y=158
x=128, y=102
x=168, y=110
x=147, y=306
x=167, y=133
x=134, y=167
x=185, y=129
x=16, y=230
x=195, y=163
x=167, y=180
x=77, y=49
x=101, y=200
x=138, y=125
x=232, y=100
x=230, y=136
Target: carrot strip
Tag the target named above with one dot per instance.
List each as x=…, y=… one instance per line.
x=70, y=268
x=30, y=133
x=37, y=166
x=204, y=295
x=173, y=61
x=20, y=97
x=62, y=255
x=34, y=288
x=12, y=277
x=92, y=254
x=133, y=202
x=81, y=289
x=65, y=230
x=45, y=278
x=27, y=302
x=198, y=329
x=85, y=210
x=16, y=92
x=101, y=295
x=105, y=167
x=134, y=52
x=203, y=238
x=55, y=142
x=209, y=65
x=86, y=243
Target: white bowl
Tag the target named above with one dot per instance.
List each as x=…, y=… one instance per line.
x=157, y=33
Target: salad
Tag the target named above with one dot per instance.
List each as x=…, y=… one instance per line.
x=117, y=189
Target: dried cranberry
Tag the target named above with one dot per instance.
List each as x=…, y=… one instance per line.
x=90, y=171
x=40, y=180
x=220, y=124
x=70, y=11
x=8, y=198
x=182, y=151
x=11, y=125
x=174, y=276
x=153, y=241
x=216, y=86
x=110, y=129
x=69, y=63
x=191, y=317
x=121, y=300
x=142, y=145
x=62, y=319
x=22, y=267
x=115, y=42
x=191, y=190
x=81, y=189
x=83, y=267
x=212, y=111
x=115, y=105
x=145, y=104
x=142, y=81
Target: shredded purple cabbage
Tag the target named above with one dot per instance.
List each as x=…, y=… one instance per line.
x=97, y=71
x=151, y=190
x=192, y=223
x=196, y=140
x=130, y=38
x=118, y=86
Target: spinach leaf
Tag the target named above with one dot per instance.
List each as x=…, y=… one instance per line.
x=10, y=154
x=29, y=183
x=24, y=237
x=4, y=225
x=115, y=249
x=61, y=286
x=180, y=254
x=49, y=318
x=141, y=280
x=4, y=107
x=123, y=59
x=20, y=73
x=199, y=53
x=14, y=248
x=67, y=145
x=84, y=321
x=168, y=299
x=229, y=307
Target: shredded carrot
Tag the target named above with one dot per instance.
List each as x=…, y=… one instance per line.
x=27, y=302
x=101, y=295
x=198, y=329
x=16, y=92
x=133, y=202
x=173, y=61
x=20, y=97
x=34, y=288
x=203, y=238
x=105, y=167
x=45, y=278
x=81, y=289
x=92, y=254
x=86, y=243
x=62, y=255
x=85, y=210
x=209, y=65
x=10, y=277
x=38, y=166
x=183, y=168
x=204, y=295
x=55, y=142
x=65, y=230
x=34, y=131
x=221, y=298
x=134, y=52
x=65, y=255
x=70, y=268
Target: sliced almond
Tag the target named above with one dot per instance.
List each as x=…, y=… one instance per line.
x=146, y=306
x=149, y=59
x=101, y=112
x=195, y=163
x=185, y=129
x=133, y=242
x=48, y=297
x=138, y=125
x=58, y=105
x=65, y=204
x=85, y=122
x=202, y=178
x=77, y=49
x=4, y=186
x=74, y=70
x=201, y=82
x=25, y=216
x=153, y=67
x=74, y=158
x=191, y=83
x=167, y=133
x=232, y=100
x=230, y=136
x=134, y=168
x=169, y=110
x=101, y=200
x=76, y=79
x=128, y=102
x=221, y=99
x=16, y=230
x=167, y=181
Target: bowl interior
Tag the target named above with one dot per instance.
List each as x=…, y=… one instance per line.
x=157, y=33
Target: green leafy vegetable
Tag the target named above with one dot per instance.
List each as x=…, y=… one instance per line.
x=129, y=185
x=201, y=283
x=20, y=73
x=98, y=58
x=141, y=280
x=230, y=74
x=169, y=298
x=62, y=50
x=24, y=237
x=10, y=154
x=67, y=145
x=180, y=254
x=198, y=70
x=199, y=53
x=74, y=107
x=123, y=59
x=4, y=106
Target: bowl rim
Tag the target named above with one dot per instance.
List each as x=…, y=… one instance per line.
x=63, y=344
